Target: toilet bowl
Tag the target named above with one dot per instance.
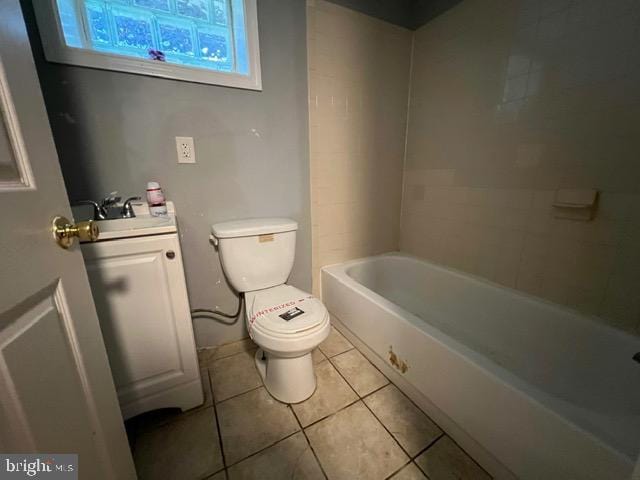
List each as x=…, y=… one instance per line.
x=286, y=323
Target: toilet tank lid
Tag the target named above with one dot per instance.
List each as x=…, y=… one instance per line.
x=253, y=226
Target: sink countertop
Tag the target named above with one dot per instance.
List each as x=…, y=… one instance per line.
x=142, y=224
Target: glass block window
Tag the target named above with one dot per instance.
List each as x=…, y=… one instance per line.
x=202, y=34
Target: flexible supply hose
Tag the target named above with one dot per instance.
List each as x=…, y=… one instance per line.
x=211, y=314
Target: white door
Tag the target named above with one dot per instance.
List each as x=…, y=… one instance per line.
x=56, y=390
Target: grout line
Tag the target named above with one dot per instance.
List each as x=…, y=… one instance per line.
x=238, y=394
x=215, y=414
x=262, y=449
x=255, y=346
x=309, y=443
x=429, y=445
x=466, y=453
x=378, y=389
x=343, y=377
x=398, y=470
x=331, y=414
x=387, y=430
x=416, y=405
x=335, y=355
x=372, y=365
x=222, y=470
x=210, y=363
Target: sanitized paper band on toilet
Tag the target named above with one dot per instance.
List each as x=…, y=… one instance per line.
x=292, y=312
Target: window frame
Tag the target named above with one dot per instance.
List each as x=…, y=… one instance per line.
x=56, y=50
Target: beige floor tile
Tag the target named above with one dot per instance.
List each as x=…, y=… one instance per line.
x=318, y=356
x=410, y=427
x=244, y=345
x=234, y=375
x=218, y=476
x=335, y=344
x=446, y=461
x=187, y=448
x=291, y=458
x=208, y=355
x=332, y=393
x=359, y=372
x=410, y=472
x=251, y=422
x=353, y=444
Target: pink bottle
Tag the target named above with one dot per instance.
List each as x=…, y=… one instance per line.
x=156, y=200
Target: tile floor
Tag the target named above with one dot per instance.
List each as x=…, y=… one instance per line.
x=357, y=425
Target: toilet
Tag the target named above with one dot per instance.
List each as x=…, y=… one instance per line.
x=285, y=322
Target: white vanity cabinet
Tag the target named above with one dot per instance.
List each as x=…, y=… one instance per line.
x=140, y=294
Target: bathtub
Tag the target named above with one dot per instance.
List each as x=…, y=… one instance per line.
x=532, y=389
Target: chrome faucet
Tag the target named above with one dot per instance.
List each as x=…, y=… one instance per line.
x=127, y=209
x=109, y=201
x=99, y=211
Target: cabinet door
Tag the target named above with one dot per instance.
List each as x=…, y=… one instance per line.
x=141, y=298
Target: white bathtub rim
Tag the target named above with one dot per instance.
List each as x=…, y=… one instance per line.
x=478, y=361
x=593, y=319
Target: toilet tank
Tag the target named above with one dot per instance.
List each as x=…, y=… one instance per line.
x=256, y=253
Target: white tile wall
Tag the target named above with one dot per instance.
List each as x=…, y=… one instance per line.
x=511, y=100
x=358, y=90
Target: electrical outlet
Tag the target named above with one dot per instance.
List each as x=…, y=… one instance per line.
x=186, y=150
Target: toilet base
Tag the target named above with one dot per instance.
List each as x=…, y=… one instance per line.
x=289, y=380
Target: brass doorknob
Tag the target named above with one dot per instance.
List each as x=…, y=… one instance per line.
x=65, y=232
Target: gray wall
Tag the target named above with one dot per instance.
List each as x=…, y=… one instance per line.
x=115, y=131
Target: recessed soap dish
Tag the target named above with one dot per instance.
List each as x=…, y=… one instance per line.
x=575, y=204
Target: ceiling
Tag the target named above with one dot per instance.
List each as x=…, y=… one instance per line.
x=411, y=14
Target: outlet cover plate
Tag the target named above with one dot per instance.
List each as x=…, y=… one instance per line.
x=186, y=150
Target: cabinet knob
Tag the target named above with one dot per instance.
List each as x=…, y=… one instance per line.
x=171, y=254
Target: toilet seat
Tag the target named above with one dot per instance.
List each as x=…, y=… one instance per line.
x=285, y=320
x=283, y=311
